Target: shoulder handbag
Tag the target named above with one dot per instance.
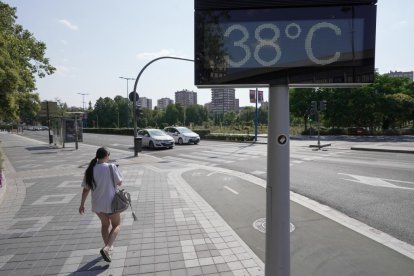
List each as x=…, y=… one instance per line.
x=122, y=199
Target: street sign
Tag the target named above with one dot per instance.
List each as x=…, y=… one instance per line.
x=252, y=94
x=301, y=45
x=48, y=106
x=260, y=96
x=131, y=96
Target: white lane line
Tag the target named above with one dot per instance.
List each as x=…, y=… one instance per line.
x=231, y=190
x=258, y=172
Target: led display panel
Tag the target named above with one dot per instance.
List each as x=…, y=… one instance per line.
x=303, y=46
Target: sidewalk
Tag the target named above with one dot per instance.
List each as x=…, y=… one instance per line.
x=177, y=232
x=393, y=144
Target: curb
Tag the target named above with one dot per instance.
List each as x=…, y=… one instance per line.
x=384, y=150
x=3, y=186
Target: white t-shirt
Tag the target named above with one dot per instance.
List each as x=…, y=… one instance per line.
x=104, y=190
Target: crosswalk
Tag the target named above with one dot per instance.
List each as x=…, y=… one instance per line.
x=233, y=154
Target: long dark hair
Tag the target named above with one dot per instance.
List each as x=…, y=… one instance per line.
x=100, y=153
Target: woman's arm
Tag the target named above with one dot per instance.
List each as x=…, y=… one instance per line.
x=85, y=193
x=118, y=176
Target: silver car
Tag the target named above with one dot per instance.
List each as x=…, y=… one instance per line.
x=182, y=135
x=155, y=138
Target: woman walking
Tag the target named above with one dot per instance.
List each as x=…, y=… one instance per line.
x=98, y=179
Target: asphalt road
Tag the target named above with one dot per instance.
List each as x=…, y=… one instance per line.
x=375, y=188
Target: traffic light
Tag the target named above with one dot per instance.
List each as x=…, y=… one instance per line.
x=322, y=105
x=314, y=107
x=138, y=111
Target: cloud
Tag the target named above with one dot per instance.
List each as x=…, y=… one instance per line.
x=68, y=24
x=160, y=53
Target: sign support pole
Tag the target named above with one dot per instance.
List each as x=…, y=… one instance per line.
x=256, y=118
x=76, y=131
x=278, y=181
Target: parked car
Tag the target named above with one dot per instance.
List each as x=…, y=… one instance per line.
x=155, y=138
x=40, y=128
x=182, y=135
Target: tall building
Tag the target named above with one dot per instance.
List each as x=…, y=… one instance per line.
x=144, y=102
x=185, y=97
x=223, y=100
x=236, y=105
x=164, y=102
x=409, y=74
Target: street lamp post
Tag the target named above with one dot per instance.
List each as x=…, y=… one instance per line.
x=83, y=108
x=83, y=99
x=127, y=79
x=134, y=102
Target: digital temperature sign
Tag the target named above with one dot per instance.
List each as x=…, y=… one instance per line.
x=308, y=46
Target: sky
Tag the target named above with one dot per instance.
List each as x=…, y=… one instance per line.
x=94, y=42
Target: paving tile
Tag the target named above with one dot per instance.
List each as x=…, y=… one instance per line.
x=178, y=272
x=177, y=233
x=209, y=269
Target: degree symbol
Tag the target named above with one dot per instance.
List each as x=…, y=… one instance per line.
x=298, y=31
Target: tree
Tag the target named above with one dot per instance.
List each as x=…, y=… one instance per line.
x=105, y=112
x=300, y=101
x=230, y=118
x=122, y=110
x=29, y=105
x=196, y=114
x=22, y=57
x=400, y=109
x=172, y=114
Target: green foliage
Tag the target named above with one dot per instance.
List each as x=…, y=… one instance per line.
x=202, y=132
x=230, y=137
x=385, y=104
x=21, y=60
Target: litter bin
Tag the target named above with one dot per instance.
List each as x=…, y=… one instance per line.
x=137, y=144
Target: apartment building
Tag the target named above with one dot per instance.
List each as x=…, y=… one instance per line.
x=144, y=102
x=164, y=102
x=185, y=97
x=409, y=74
x=223, y=100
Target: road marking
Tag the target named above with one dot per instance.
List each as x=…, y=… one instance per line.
x=385, y=239
x=375, y=181
x=191, y=157
x=260, y=225
x=116, y=145
x=231, y=190
x=258, y=172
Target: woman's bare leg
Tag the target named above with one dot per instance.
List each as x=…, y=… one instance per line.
x=105, y=223
x=115, y=220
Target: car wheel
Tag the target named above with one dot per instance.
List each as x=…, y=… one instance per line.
x=151, y=145
x=195, y=143
x=180, y=141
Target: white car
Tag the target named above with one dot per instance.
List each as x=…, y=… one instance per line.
x=182, y=135
x=155, y=138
